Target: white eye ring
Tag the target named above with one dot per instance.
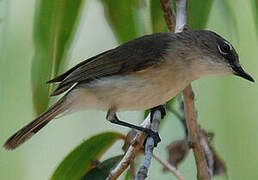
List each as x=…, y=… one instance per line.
x=225, y=51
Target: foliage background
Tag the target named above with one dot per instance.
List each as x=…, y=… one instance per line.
x=226, y=105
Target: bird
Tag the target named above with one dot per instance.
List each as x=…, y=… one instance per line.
x=137, y=75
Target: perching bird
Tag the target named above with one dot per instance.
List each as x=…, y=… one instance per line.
x=138, y=75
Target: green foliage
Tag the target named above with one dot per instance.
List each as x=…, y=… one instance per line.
x=157, y=19
x=122, y=17
x=255, y=13
x=228, y=14
x=101, y=171
x=79, y=161
x=54, y=26
x=128, y=175
x=198, y=13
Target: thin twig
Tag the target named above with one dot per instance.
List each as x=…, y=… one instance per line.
x=180, y=15
x=168, y=166
x=130, y=153
x=208, y=152
x=132, y=170
x=194, y=135
x=168, y=14
x=149, y=146
x=209, y=155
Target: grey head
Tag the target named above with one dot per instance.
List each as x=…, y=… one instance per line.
x=215, y=54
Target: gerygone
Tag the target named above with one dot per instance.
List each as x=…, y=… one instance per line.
x=138, y=75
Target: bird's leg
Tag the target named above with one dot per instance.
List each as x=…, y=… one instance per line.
x=112, y=117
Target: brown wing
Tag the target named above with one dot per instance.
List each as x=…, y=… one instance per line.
x=133, y=56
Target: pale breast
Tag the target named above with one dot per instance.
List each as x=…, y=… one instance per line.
x=137, y=91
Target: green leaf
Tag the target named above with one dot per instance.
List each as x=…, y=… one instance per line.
x=255, y=13
x=80, y=160
x=123, y=18
x=198, y=13
x=128, y=175
x=157, y=19
x=55, y=24
x=228, y=11
x=228, y=17
x=102, y=170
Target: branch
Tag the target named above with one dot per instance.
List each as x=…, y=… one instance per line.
x=130, y=153
x=169, y=167
x=132, y=170
x=149, y=146
x=192, y=126
x=209, y=155
x=194, y=135
x=168, y=14
x=180, y=15
x=205, y=141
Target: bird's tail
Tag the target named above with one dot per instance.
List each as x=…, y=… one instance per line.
x=34, y=126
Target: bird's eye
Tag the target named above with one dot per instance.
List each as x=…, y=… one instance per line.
x=224, y=48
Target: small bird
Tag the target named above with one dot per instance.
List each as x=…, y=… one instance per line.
x=138, y=75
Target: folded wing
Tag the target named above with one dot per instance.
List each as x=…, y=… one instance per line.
x=130, y=57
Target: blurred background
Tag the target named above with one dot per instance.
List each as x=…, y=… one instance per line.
x=226, y=105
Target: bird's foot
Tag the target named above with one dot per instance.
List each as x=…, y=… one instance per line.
x=161, y=108
x=155, y=136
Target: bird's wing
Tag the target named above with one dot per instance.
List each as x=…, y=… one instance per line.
x=130, y=57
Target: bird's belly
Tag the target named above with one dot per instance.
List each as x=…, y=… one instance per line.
x=144, y=97
x=129, y=93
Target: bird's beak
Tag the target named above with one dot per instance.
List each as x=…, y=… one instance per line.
x=238, y=70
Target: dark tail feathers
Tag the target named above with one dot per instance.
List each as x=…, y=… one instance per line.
x=33, y=127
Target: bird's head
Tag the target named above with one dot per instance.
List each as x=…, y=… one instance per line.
x=215, y=54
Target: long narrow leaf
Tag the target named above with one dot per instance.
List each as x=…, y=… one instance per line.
x=128, y=175
x=121, y=16
x=102, y=170
x=54, y=26
x=255, y=13
x=158, y=23
x=80, y=160
x=229, y=15
x=198, y=13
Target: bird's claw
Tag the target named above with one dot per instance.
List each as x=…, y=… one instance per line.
x=161, y=108
x=155, y=136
